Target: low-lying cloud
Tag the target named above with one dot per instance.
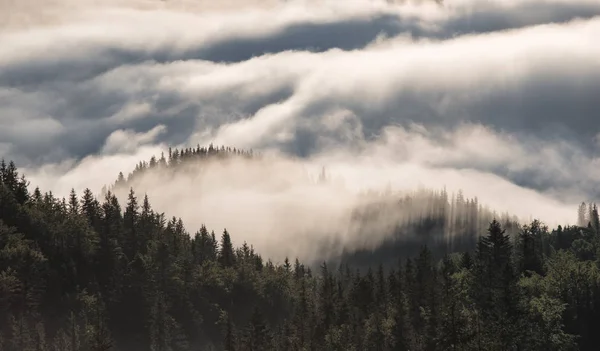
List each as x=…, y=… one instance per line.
x=497, y=98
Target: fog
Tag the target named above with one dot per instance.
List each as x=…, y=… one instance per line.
x=497, y=98
x=292, y=207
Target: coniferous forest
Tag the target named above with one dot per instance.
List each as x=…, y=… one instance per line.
x=87, y=273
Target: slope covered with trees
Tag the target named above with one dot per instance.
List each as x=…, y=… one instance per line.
x=443, y=221
x=91, y=274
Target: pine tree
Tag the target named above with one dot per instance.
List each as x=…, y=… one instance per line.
x=594, y=219
x=73, y=203
x=90, y=207
x=147, y=226
x=226, y=254
x=130, y=221
x=530, y=242
x=454, y=333
x=326, y=302
x=495, y=289
x=402, y=330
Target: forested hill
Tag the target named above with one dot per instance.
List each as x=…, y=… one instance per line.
x=176, y=161
x=90, y=274
x=380, y=226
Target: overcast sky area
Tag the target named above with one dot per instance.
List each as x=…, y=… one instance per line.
x=500, y=98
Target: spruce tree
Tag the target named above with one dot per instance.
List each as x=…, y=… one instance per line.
x=226, y=254
x=130, y=224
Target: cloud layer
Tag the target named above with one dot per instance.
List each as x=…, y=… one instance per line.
x=499, y=98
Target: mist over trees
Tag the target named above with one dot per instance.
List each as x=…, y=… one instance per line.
x=443, y=221
x=83, y=273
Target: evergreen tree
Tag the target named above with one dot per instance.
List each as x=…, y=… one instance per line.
x=130, y=223
x=594, y=219
x=73, y=203
x=226, y=254
x=530, y=242
x=496, y=291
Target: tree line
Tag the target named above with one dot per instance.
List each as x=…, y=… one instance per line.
x=84, y=273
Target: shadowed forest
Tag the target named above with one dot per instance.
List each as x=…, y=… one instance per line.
x=87, y=273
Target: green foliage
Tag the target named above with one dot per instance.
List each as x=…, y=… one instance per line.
x=85, y=275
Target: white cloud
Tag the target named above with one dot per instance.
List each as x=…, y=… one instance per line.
x=127, y=141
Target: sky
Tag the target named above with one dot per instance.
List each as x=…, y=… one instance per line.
x=499, y=98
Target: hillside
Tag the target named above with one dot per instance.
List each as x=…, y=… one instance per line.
x=88, y=274
x=378, y=226
x=84, y=274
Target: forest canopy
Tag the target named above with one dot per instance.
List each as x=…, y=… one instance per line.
x=91, y=274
